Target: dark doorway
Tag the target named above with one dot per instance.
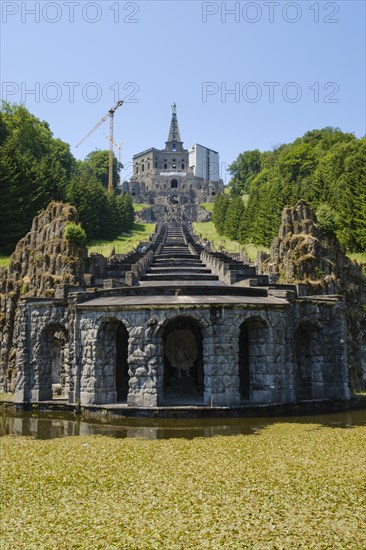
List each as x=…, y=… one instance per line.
x=174, y=184
x=53, y=368
x=122, y=376
x=183, y=361
x=303, y=363
x=253, y=338
x=244, y=362
x=112, y=354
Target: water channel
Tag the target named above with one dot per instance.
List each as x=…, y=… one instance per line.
x=52, y=425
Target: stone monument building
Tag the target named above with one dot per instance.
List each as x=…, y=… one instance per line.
x=176, y=324
x=173, y=323
x=175, y=180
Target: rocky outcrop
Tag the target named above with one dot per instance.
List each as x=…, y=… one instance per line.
x=42, y=260
x=302, y=253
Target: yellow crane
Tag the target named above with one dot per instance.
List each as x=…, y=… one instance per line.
x=110, y=114
x=119, y=147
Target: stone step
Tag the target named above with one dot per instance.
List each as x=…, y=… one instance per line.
x=171, y=258
x=168, y=269
x=179, y=276
x=176, y=248
x=180, y=262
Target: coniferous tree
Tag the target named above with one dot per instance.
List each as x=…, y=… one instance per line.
x=97, y=163
x=233, y=217
x=219, y=212
x=34, y=169
x=324, y=166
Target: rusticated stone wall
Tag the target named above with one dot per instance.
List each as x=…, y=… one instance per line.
x=91, y=348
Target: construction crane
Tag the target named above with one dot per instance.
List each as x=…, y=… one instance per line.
x=119, y=147
x=110, y=114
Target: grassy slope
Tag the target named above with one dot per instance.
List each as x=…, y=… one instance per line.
x=208, y=231
x=4, y=261
x=140, y=206
x=289, y=486
x=125, y=242
x=209, y=206
x=360, y=257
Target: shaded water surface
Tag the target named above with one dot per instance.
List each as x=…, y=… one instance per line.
x=50, y=425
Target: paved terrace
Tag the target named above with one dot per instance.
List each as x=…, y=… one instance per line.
x=174, y=273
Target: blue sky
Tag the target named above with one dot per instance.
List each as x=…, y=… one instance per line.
x=290, y=67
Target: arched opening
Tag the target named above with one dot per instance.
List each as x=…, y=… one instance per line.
x=183, y=361
x=122, y=377
x=304, y=362
x=244, y=363
x=112, y=355
x=253, y=339
x=174, y=184
x=52, y=364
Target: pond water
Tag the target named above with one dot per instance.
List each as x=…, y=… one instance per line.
x=51, y=425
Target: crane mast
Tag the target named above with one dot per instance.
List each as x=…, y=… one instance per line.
x=110, y=172
x=110, y=114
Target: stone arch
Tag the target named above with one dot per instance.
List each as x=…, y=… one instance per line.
x=112, y=371
x=305, y=358
x=52, y=373
x=183, y=372
x=253, y=338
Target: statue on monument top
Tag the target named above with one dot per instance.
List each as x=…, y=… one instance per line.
x=174, y=108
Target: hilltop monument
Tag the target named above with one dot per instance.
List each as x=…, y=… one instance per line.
x=174, y=181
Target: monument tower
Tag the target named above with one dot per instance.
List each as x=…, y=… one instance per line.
x=174, y=181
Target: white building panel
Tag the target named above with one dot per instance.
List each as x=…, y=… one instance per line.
x=204, y=162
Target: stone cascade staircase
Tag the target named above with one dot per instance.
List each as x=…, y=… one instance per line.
x=175, y=262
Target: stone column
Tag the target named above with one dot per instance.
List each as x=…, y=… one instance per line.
x=23, y=379
x=145, y=368
x=220, y=363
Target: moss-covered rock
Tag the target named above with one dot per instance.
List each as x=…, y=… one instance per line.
x=43, y=259
x=303, y=253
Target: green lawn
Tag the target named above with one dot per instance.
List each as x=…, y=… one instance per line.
x=138, y=207
x=208, y=231
x=289, y=486
x=209, y=206
x=359, y=256
x=4, y=261
x=124, y=243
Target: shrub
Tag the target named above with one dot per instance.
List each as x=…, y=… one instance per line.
x=74, y=232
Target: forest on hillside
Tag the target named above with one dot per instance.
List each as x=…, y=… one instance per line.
x=325, y=167
x=36, y=168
